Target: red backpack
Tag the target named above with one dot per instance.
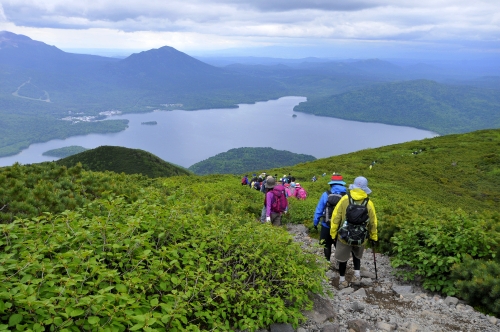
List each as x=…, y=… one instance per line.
x=279, y=203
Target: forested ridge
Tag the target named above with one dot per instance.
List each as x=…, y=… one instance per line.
x=64, y=151
x=241, y=160
x=84, y=250
x=424, y=104
x=119, y=159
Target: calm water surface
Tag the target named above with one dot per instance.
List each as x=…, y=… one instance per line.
x=187, y=137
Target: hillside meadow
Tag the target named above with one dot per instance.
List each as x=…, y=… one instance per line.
x=437, y=201
x=105, y=251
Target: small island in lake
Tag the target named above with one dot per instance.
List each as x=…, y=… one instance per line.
x=294, y=116
x=64, y=152
x=150, y=123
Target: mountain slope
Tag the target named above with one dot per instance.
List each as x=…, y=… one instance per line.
x=422, y=104
x=118, y=159
x=40, y=85
x=241, y=160
x=436, y=201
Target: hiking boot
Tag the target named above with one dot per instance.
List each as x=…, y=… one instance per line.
x=356, y=280
x=343, y=284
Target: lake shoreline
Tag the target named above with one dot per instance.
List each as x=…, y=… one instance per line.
x=198, y=135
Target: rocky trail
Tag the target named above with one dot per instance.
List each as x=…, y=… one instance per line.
x=384, y=304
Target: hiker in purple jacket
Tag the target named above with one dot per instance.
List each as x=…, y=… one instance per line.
x=272, y=215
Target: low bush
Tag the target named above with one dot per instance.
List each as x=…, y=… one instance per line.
x=116, y=265
x=477, y=282
x=429, y=248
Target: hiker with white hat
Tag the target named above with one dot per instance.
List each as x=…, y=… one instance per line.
x=354, y=221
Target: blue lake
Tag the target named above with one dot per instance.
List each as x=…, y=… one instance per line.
x=187, y=137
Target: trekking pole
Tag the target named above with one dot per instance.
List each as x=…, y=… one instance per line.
x=374, y=260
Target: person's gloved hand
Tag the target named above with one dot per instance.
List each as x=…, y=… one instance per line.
x=268, y=219
x=373, y=243
x=316, y=227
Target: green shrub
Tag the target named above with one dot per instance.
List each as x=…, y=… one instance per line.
x=477, y=282
x=300, y=211
x=429, y=248
x=116, y=266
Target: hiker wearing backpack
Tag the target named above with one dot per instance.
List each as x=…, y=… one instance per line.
x=287, y=190
x=324, y=211
x=244, y=180
x=251, y=182
x=300, y=193
x=292, y=190
x=353, y=222
x=275, y=202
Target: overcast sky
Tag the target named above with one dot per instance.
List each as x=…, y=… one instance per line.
x=285, y=28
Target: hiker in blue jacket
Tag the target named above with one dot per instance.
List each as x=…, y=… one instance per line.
x=337, y=187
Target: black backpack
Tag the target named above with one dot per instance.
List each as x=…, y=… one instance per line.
x=354, y=230
x=332, y=201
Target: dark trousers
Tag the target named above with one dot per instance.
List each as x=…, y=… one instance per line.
x=343, y=265
x=326, y=240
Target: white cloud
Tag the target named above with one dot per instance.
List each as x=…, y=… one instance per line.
x=212, y=24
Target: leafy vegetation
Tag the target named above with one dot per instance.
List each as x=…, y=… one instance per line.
x=243, y=160
x=477, y=281
x=31, y=190
x=65, y=151
x=437, y=202
x=86, y=250
x=441, y=108
x=119, y=159
x=177, y=258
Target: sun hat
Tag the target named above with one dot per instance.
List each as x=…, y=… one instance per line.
x=361, y=183
x=337, y=179
x=270, y=182
x=297, y=184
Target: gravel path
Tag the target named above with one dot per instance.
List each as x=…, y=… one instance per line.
x=385, y=304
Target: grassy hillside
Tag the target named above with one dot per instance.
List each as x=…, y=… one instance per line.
x=122, y=255
x=429, y=105
x=119, y=159
x=438, y=209
x=243, y=160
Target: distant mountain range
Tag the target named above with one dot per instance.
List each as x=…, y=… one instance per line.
x=46, y=93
